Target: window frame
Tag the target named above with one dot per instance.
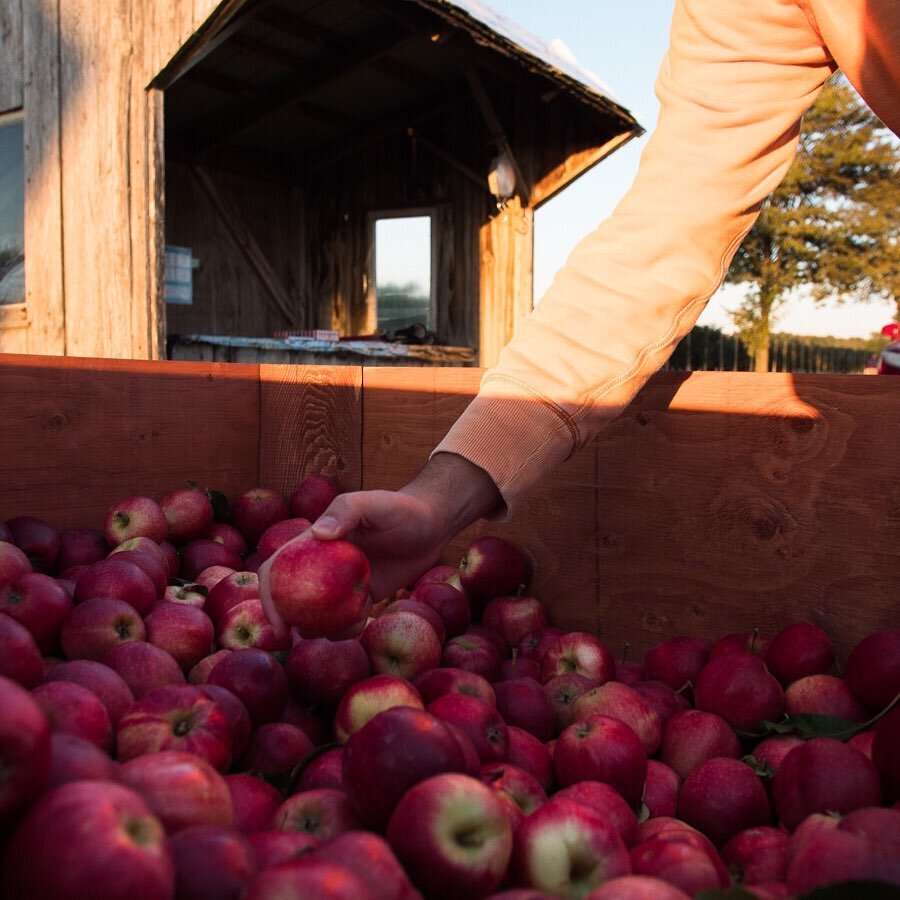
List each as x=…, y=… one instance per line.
x=371, y=293
x=14, y=315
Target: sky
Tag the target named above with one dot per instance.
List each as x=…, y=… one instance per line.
x=623, y=44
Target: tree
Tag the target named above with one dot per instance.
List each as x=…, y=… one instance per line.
x=832, y=225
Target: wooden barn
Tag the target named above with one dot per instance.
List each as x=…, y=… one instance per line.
x=190, y=177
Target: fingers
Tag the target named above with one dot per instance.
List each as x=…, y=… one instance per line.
x=341, y=517
x=279, y=626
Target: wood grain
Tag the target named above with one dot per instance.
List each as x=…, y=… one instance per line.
x=10, y=55
x=311, y=423
x=90, y=432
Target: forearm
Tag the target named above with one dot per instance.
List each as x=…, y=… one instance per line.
x=459, y=491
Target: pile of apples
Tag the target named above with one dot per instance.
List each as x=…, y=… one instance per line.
x=161, y=738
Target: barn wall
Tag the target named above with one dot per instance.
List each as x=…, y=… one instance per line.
x=92, y=167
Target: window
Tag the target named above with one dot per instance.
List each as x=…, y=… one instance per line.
x=12, y=210
x=403, y=270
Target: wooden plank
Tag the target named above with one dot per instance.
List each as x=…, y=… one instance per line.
x=44, y=287
x=733, y=501
x=10, y=55
x=90, y=432
x=311, y=423
x=406, y=412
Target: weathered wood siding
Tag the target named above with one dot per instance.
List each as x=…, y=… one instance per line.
x=93, y=168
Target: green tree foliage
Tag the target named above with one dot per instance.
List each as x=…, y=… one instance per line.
x=832, y=226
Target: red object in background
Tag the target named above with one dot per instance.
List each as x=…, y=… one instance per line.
x=889, y=358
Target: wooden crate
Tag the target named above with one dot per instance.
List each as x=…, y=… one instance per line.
x=718, y=502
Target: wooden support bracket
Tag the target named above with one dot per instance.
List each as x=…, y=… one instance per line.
x=248, y=245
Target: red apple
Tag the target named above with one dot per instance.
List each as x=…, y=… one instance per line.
x=439, y=574
x=568, y=848
x=212, y=575
x=41, y=604
x=277, y=535
x=491, y=567
x=370, y=857
x=13, y=563
x=313, y=496
x=173, y=560
x=323, y=813
x=255, y=510
x=103, y=681
x=236, y=713
x=396, y=749
x=872, y=671
x=524, y=703
x=226, y=534
x=253, y=800
x=435, y=683
x=21, y=657
x=579, y=652
x=74, y=758
x=143, y=666
x=527, y=752
x=275, y=847
x=744, y=641
x=758, y=855
x=476, y=629
x=24, y=750
x=319, y=670
x=231, y=589
x=453, y=837
x=676, y=661
x=664, y=699
x=307, y=878
x=603, y=749
x=119, y=579
x=799, y=650
x=199, y=674
x=519, y=790
x=212, y=863
x=402, y=643
x=276, y=749
x=37, y=539
x=185, y=594
x=80, y=547
x=325, y=769
x=448, y=602
x=738, y=687
x=319, y=587
x=721, y=797
x=407, y=604
x=692, y=736
x=135, y=517
x=188, y=512
x=823, y=775
x=885, y=741
x=257, y=679
x=147, y=556
x=472, y=653
x=638, y=887
x=182, y=789
x=245, y=625
x=677, y=859
x=520, y=668
x=514, y=616
x=73, y=709
x=823, y=695
x=608, y=802
x=89, y=839
x=624, y=703
x=365, y=699
x=201, y=554
x=563, y=691
x=480, y=721
x=661, y=789
x=178, y=717
x=184, y=632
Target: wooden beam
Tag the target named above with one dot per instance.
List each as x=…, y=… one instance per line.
x=292, y=90
x=440, y=153
x=247, y=244
x=574, y=167
x=10, y=55
x=495, y=130
x=230, y=17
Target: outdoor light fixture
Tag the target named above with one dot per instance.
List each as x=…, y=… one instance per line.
x=501, y=177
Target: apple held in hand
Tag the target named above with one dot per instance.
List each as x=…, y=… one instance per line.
x=320, y=587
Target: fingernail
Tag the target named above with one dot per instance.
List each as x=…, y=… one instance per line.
x=326, y=525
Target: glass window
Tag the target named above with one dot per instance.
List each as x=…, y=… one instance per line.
x=12, y=210
x=403, y=272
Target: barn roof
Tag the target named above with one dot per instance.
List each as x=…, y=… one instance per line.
x=285, y=85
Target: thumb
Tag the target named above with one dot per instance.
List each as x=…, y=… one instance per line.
x=338, y=520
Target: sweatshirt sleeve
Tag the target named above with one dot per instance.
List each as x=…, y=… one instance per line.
x=732, y=87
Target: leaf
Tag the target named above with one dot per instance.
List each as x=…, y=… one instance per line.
x=221, y=508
